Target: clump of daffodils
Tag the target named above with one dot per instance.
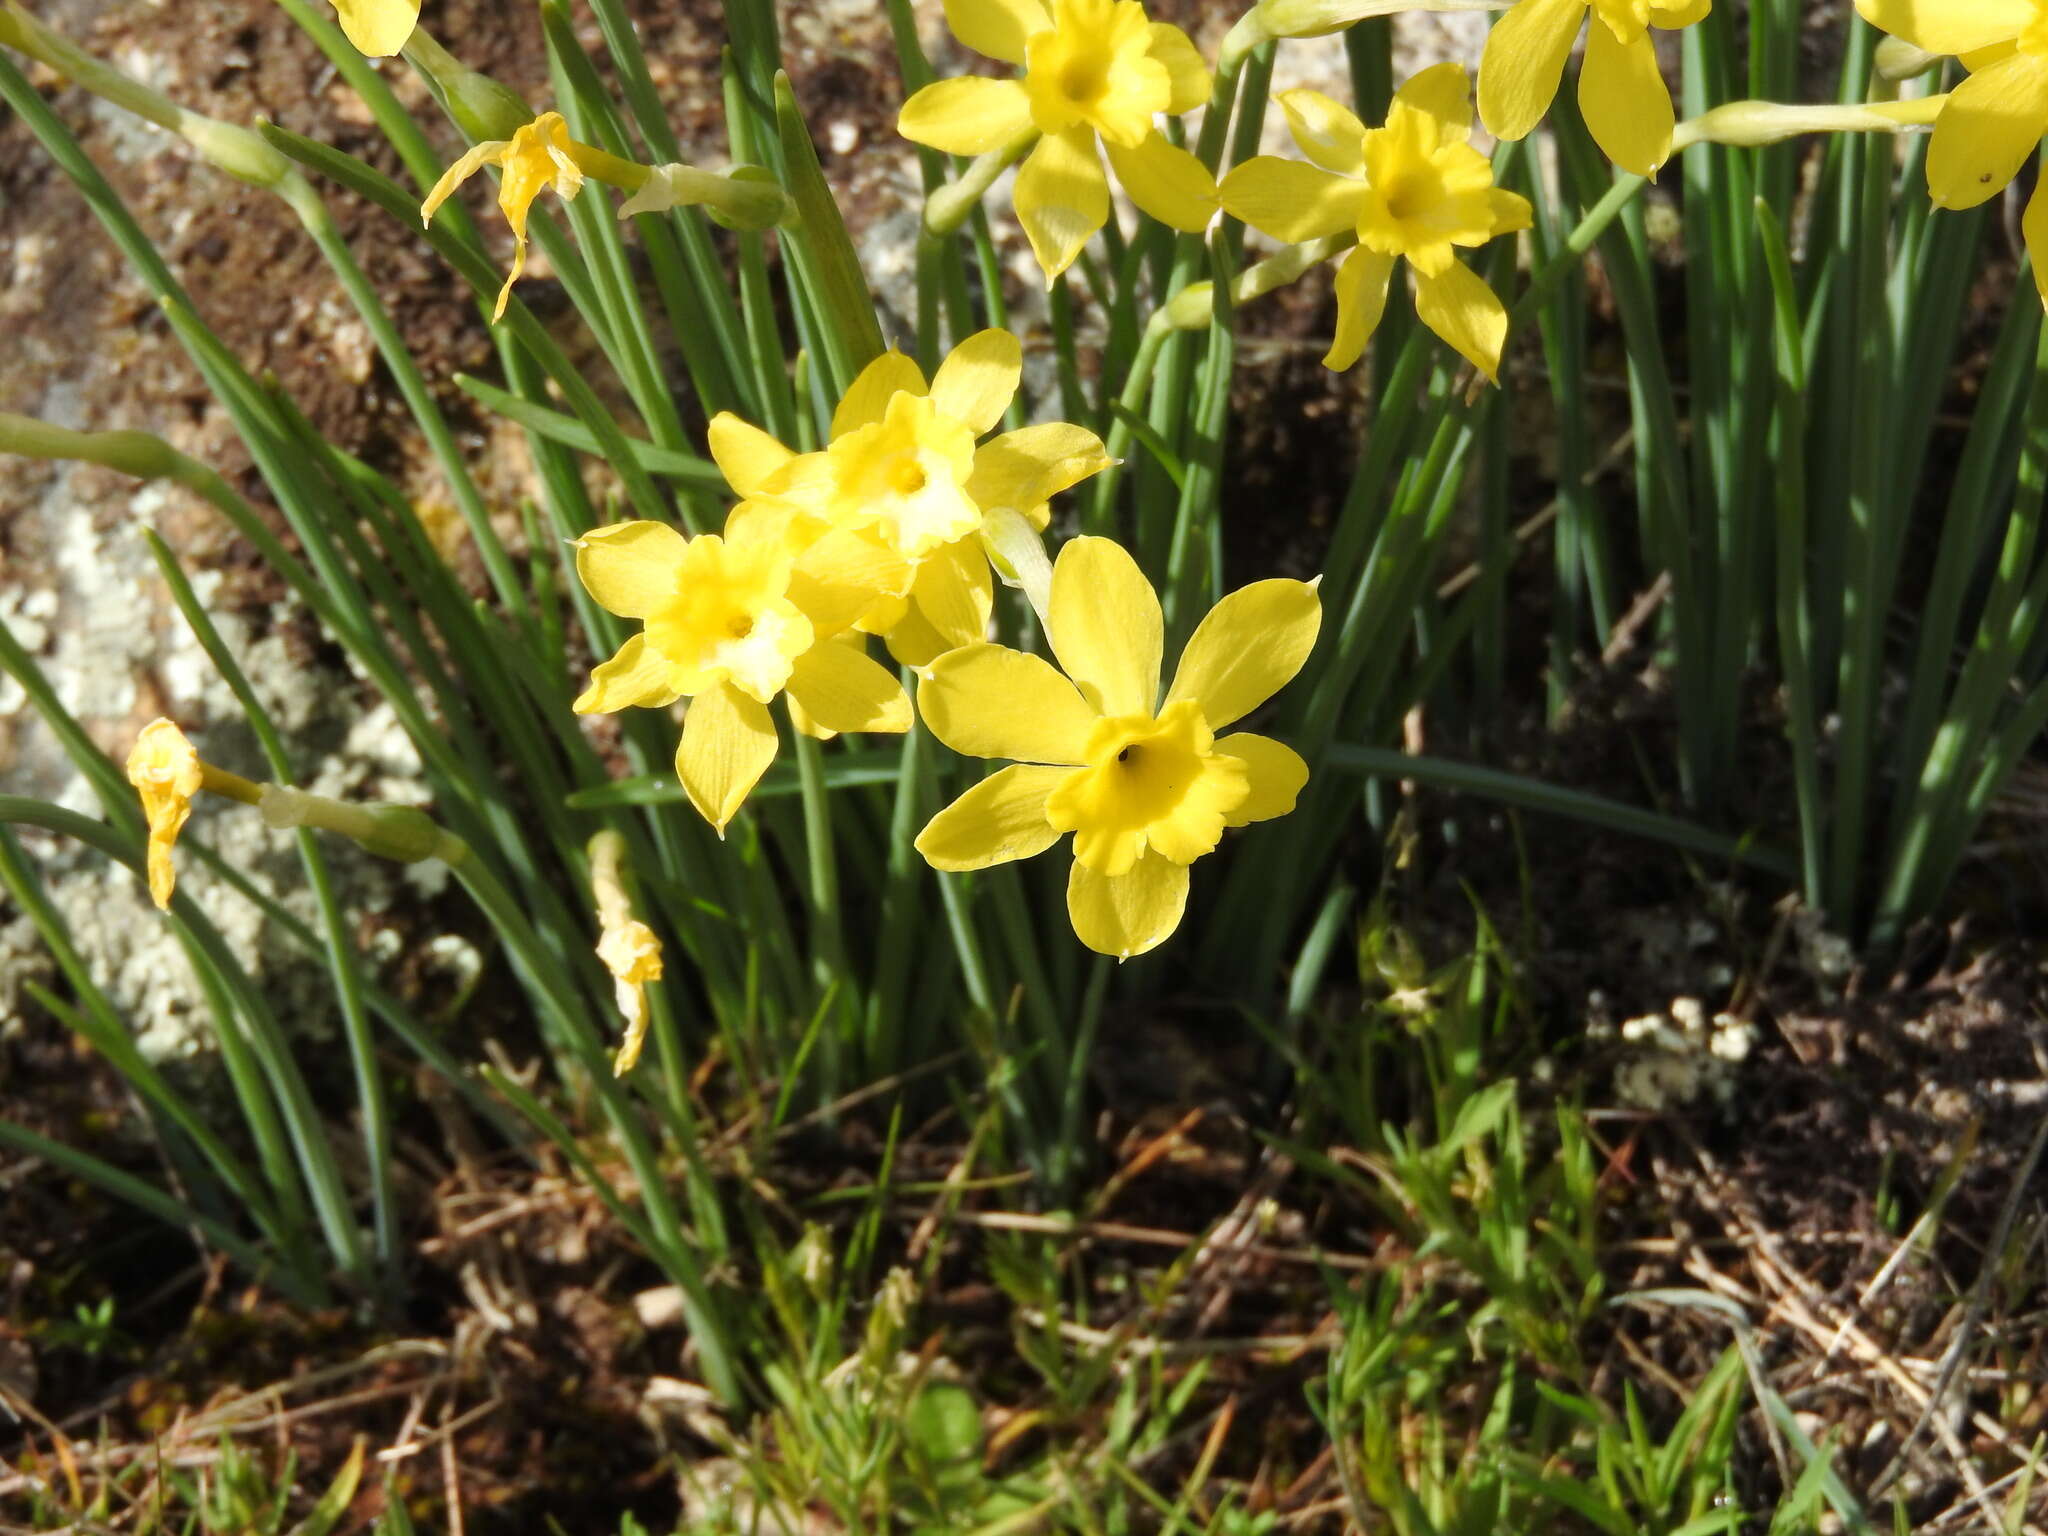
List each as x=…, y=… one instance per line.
x=1414, y=188
x=912, y=478
x=1097, y=76
x=899, y=528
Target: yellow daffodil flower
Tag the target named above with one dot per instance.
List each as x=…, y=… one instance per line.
x=1993, y=120
x=166, y=774
x=1621, y=92
x=378, y=28
x=904, y=476
x=729, y=622
x=1093, y=70
x=1413, y=188
x=1144, y=784
x=540, y=155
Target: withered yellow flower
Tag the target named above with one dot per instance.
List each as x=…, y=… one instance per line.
x=165, y=771
x=540, y=155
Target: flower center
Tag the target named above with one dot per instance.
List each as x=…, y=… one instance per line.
x=1149, y=783
x=2033, y=37
x=1084, y=80
x=907, y=478
x=740, y=625
x=1093, y=68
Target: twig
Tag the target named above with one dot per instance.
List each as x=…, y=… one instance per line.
x=1973, y=1312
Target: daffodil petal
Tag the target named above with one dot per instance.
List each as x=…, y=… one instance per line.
x=1442, y=97
x=842, y=688
x=1291, y=201
x=1166, y=181
x=1992, y=122
x=1274, y=772
x=747, y=456
x=1523, y=63
x=1949, y=26
x=991, y=701
x=378, y=28
x=1247, y=648
x=638, y=676
x=728, y=743
x=1468, y=315
x=913, y=642
x=1511, y=211
x=473, y=159
x=1002, y=818
x=1361, y=286
x=1183, y=61
x=955, y=593
x=1679, y=13
x=996, y=29
x=1105, y=626
x=1626, y=104
x=1026, y=468
x=633, y=568
x=868, y=396
x=2034, y=228
x=1062, y=198
x=978, y=379
x=1328, y=132
x=1125, y=915
x=967, y=115
x=840, y=576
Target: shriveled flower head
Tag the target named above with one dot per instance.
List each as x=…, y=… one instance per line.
x=1143, y=782
x=166, y=774
x=1621, y=92
x=540, y=155
x=378, y=28
x=632, y=953
x=729, y=622
x=907, y=481
x=1993, y=120
x=1093, y=70
x=1415, y=188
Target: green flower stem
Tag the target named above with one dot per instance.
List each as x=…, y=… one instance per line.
x=828, y=938
x=1066, y=1152
x=947, y=208
x=375, y=1110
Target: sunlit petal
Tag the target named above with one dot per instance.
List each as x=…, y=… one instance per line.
x=1105, y=626
x=1000, y=819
